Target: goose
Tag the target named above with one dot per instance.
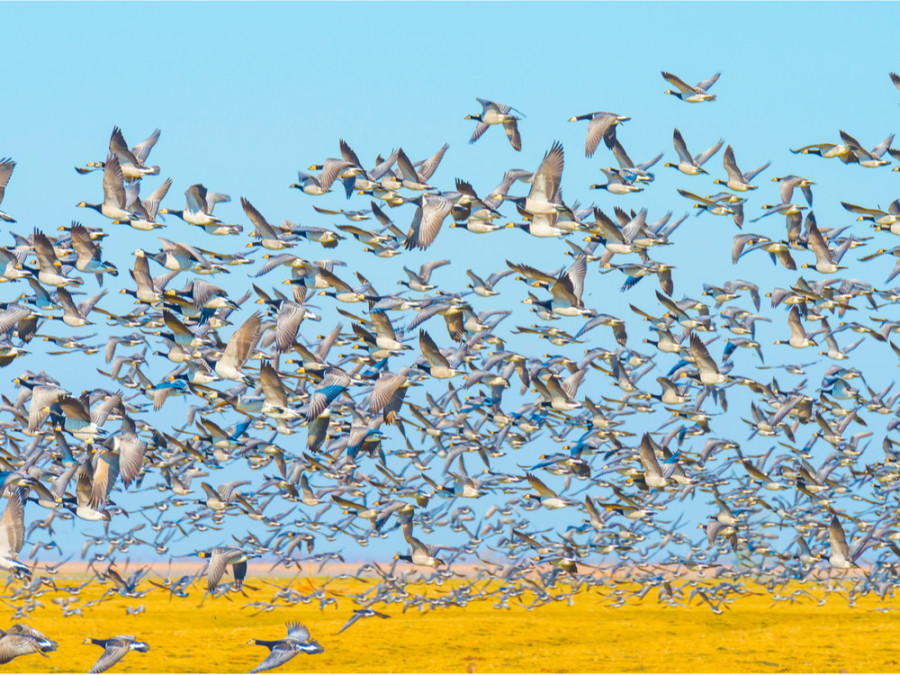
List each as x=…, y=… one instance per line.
x=737, y=181
x=114, y=197
x=691, y=165
x=358, y=614
x=868, y=158
x=628, y=171
x=696, y=94
x=22, y=640
x=653, y=474
x=427, y=221
x=496, y=113
x=787, y=184
x=828, y=151
x=889, y=219
x=799, y=337
x=321, y=184
x=421, y=554
x=544, y=193
x=615, y=184
x=133, y=161
x=547, y=497
x=198, y=210
x=438, y=365
x=842, y=557
x=281, y=651
x=115, y=649
x=483, y=288
x=416, y=174
x=826, y=260
x=266, y=234
x=601, y=125
x=709, y=371
x=88, y=253
x=50, y=269
x=219, y=558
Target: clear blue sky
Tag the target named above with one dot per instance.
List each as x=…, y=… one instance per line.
x=247, y=94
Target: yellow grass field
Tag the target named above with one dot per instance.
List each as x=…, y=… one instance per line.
x=587, y=636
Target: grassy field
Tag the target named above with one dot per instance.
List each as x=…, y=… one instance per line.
x=590, y=635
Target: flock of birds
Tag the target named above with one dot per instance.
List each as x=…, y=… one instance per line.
x=374, y=425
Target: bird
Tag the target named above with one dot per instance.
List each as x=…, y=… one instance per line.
x=692, y=165
x=198, y=210
x=696, y=94
x=737, y=181
x=842, y=557
x=114, y=197
x=544, y=192
x=219, y=558
x=281, y=651
x=358, y=614
x=427, y=221
x=799, y=337
x=22, y=640
x=601, y=125
x=497, y=113
x=115, y=649
x=548, y=498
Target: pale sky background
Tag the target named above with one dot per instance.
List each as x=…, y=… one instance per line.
x=247, y=94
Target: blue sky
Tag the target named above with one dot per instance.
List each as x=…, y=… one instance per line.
x=247, y=94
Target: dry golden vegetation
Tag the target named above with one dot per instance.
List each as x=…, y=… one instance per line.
x=601, y=630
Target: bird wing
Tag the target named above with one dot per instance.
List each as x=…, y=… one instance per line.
x=286, y=325
x=731, y=167
x=430, y=350
x=115, y=651
x=539, y=486
x=43, y=249
x=142, y=150
x=600, y=126
x=676, y=81
x=281, y=653
x=818, y=245
x=6, y=169
x=83, y=244
x=263, y=229
x=217, y=563
x=546, y=180
x=113, y=182
x=12, y=525
x=838, y=539
x=701, y=355
x=353, y=620
x=478, y=132
x=702, y=158
x=607, y=227
x=430, y=165
x=511, y=127
x=297, y=631
x=706, y=84
x=13, y=646
x=243, y=341
x=648, y=458
x=433, y=214
x=272, y=387
x=681, y=147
